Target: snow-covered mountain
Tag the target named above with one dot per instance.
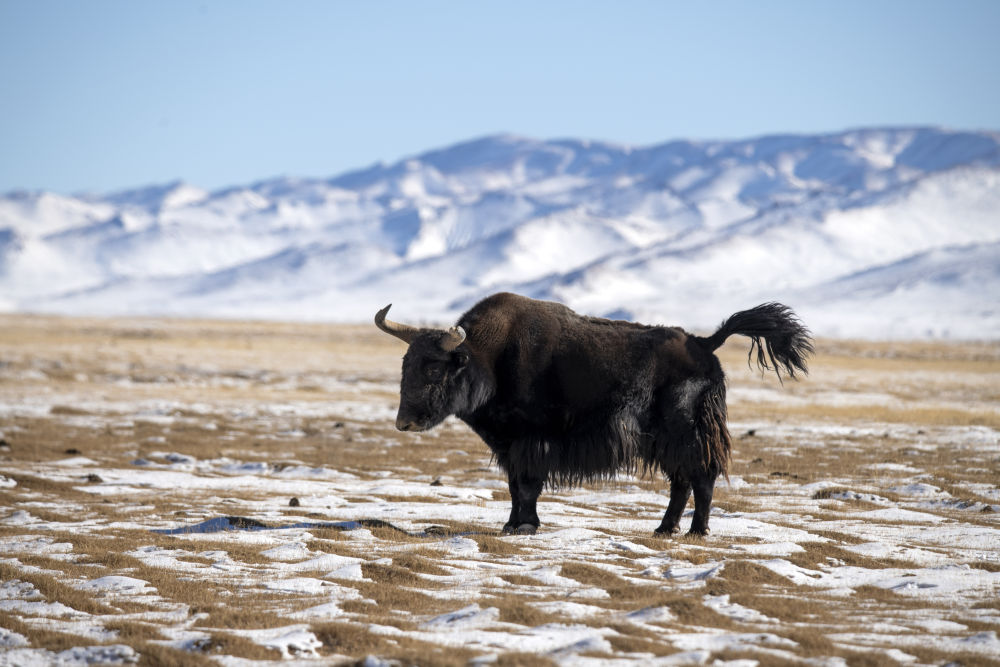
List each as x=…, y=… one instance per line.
x=875, y=232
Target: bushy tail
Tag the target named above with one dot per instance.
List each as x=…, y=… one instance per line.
x=774, y=331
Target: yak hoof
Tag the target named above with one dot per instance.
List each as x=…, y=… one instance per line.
x=523, y=529
x=666, y=532
x=694, y=532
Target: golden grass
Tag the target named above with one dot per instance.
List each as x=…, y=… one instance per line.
x=630, y=644
x=227, y=373
x=53, y=589
x=422, y=562
x=930, y=656
x=499, y=546
x=517, y=659
x=753, y=574
x=519, y=580
x=801, y=610
x=515, y=609
x=38, y=637
x=865, y=355
x=840, y=414
x=29, y=483
x=817, y=554
x=158, y=655
x=357, y=641
x=884, y=598
x=223, y=643
x=133, y=632
x=246, y=611
x=392, y=596
x=589, y=575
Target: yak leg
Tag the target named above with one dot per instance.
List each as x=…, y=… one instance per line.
x=703, y=483
x=515, y=505
x=680, y=491
x=524, y=492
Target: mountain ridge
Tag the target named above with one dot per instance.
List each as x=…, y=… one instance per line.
x=681, y=232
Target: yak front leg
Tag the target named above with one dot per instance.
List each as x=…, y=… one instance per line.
x=515, y=506
x=524, y=492
x=703, y=484
x=680, y=491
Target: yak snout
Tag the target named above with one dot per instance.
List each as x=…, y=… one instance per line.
x=406, y=424
x=410, y=422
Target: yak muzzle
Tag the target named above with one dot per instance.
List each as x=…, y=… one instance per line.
x=407, y=425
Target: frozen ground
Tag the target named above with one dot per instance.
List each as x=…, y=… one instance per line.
x=191, y=492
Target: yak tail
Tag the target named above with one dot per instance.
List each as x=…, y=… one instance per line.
x=775, y=332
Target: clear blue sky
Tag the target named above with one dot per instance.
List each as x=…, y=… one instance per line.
x=103, y=95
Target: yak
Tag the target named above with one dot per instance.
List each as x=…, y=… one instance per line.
x=562, y=398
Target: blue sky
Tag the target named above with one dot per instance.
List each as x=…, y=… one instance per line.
x=103, y=95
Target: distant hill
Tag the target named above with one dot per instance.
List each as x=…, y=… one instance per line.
x=871, y=232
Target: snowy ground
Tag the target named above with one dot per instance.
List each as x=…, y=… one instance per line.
x=182, y=492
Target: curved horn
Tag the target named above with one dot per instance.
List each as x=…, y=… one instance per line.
x=403, y=332
x=456, y=336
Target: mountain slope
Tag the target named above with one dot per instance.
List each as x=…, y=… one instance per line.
x=683, y=232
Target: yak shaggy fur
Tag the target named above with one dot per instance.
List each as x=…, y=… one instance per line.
x=561, y=398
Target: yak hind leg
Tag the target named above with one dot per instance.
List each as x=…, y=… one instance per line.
x=680, y=491
x=524, y=492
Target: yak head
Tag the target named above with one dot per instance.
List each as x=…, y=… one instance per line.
x=435, y=383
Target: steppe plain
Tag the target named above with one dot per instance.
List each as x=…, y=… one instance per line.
x=183, y=492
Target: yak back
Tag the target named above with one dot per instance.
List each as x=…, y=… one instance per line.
x=582, y=397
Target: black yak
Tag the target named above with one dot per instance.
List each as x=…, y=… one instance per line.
x=562, y=398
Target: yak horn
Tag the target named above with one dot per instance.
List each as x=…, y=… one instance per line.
x=403, y=332
x=456, y=336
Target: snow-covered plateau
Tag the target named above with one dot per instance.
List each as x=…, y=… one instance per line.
x=875, y=233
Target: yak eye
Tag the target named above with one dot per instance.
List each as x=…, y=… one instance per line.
x=433, y=371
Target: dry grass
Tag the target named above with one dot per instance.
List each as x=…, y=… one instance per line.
x=226, y=386
x=498, y=546
x=43, y=637
x=158, y=655
x=515, y=659
x=939, y=416
x=422, y=562
x=52, y=588
x=348, y=639
x=754, y=575
x=239, y=612
x=515, y=609
x=222, y=643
